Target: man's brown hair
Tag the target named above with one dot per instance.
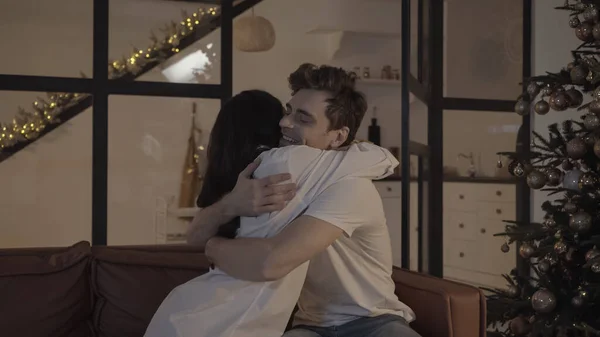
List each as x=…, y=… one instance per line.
x=346, y=107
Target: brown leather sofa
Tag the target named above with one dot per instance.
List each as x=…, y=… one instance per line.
x=83, y=291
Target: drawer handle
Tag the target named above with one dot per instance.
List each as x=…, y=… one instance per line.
x=461, y=225
x=461, y=197
x=461, y=254
x=389, y=189
x=498, y=211
x=483, y=231
x=498, y=193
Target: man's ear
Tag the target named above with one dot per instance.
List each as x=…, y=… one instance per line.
x=340, y=137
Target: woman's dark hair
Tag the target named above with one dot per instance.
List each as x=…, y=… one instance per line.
x=246, y=125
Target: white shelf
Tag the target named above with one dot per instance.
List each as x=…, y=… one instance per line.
x=336, y=36
x=189, y=212
x=382, y=82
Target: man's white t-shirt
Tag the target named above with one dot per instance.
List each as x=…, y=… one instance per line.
x=216, y=304
x=352, y=277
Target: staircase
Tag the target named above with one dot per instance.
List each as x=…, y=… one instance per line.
x=59, y=108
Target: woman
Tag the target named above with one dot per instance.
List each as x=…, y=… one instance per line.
x=215, y=304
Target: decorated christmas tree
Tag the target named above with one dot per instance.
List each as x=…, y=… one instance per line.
x=561, y=295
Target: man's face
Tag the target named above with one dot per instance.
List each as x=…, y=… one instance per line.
x=305, y=122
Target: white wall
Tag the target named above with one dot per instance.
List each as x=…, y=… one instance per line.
x=47, y=199
x=553, y=41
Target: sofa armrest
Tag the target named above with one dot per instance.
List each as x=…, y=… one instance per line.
x=443, y=308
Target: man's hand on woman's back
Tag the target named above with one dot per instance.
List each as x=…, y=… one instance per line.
x=252, y=197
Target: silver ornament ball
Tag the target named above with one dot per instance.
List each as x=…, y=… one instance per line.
x=591, y=122
x=543, y=301
x=576, y=148
x=571, y=180
x=522, y=107
x=536, y=179
x=581, y=222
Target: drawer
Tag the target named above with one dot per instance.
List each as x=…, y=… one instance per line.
x=389, y=189
x=497, y=192
x=460, y=196
x=460, y=225
x=462, y=254
x=497, y=210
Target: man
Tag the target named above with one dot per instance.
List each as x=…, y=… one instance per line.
x=348, y=289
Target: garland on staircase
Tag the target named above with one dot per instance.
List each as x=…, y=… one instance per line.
x=27, y=125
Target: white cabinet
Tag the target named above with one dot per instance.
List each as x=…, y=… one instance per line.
x=473, y=213
x=391, y=195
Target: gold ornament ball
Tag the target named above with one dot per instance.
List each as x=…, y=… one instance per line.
x=526, y=250
x=592, y=254
x=575, y=97
x=544, y=266
x=522, y=107
x=533, y=89
x=520, y=326
x=597, y=148
x=560, y=247
x=596, y=31
x=584, y=32
x=596, y=93
x=590, y=14
x=559, y=101
x=554, y=176
x=541, y=107
x=594, y=107
x=574, y=22
x=505, y=248
x=513, y=291
x=578, y=74
x=587, y=179
x=576, y=148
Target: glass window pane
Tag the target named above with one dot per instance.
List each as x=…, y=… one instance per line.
x=48, y=38
x=48, y=191
x=183, y=37
x=474, y=208
x=482, y=134
x=148, y=148
x=483, y=55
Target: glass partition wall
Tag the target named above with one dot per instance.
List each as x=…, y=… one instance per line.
x=442, y=37
x=128, y=78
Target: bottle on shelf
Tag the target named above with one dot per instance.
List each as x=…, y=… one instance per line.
x=374, y=132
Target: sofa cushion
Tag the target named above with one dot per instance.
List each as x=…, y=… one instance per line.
x=458, y=310
x=45, y=292
x=131, y=282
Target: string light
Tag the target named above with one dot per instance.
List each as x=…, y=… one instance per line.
x=27, y=126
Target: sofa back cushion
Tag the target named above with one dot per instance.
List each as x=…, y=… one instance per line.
x=443, y=308
x=45, y=292
x=131, y=282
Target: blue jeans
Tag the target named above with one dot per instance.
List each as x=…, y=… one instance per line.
x=380, y=326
